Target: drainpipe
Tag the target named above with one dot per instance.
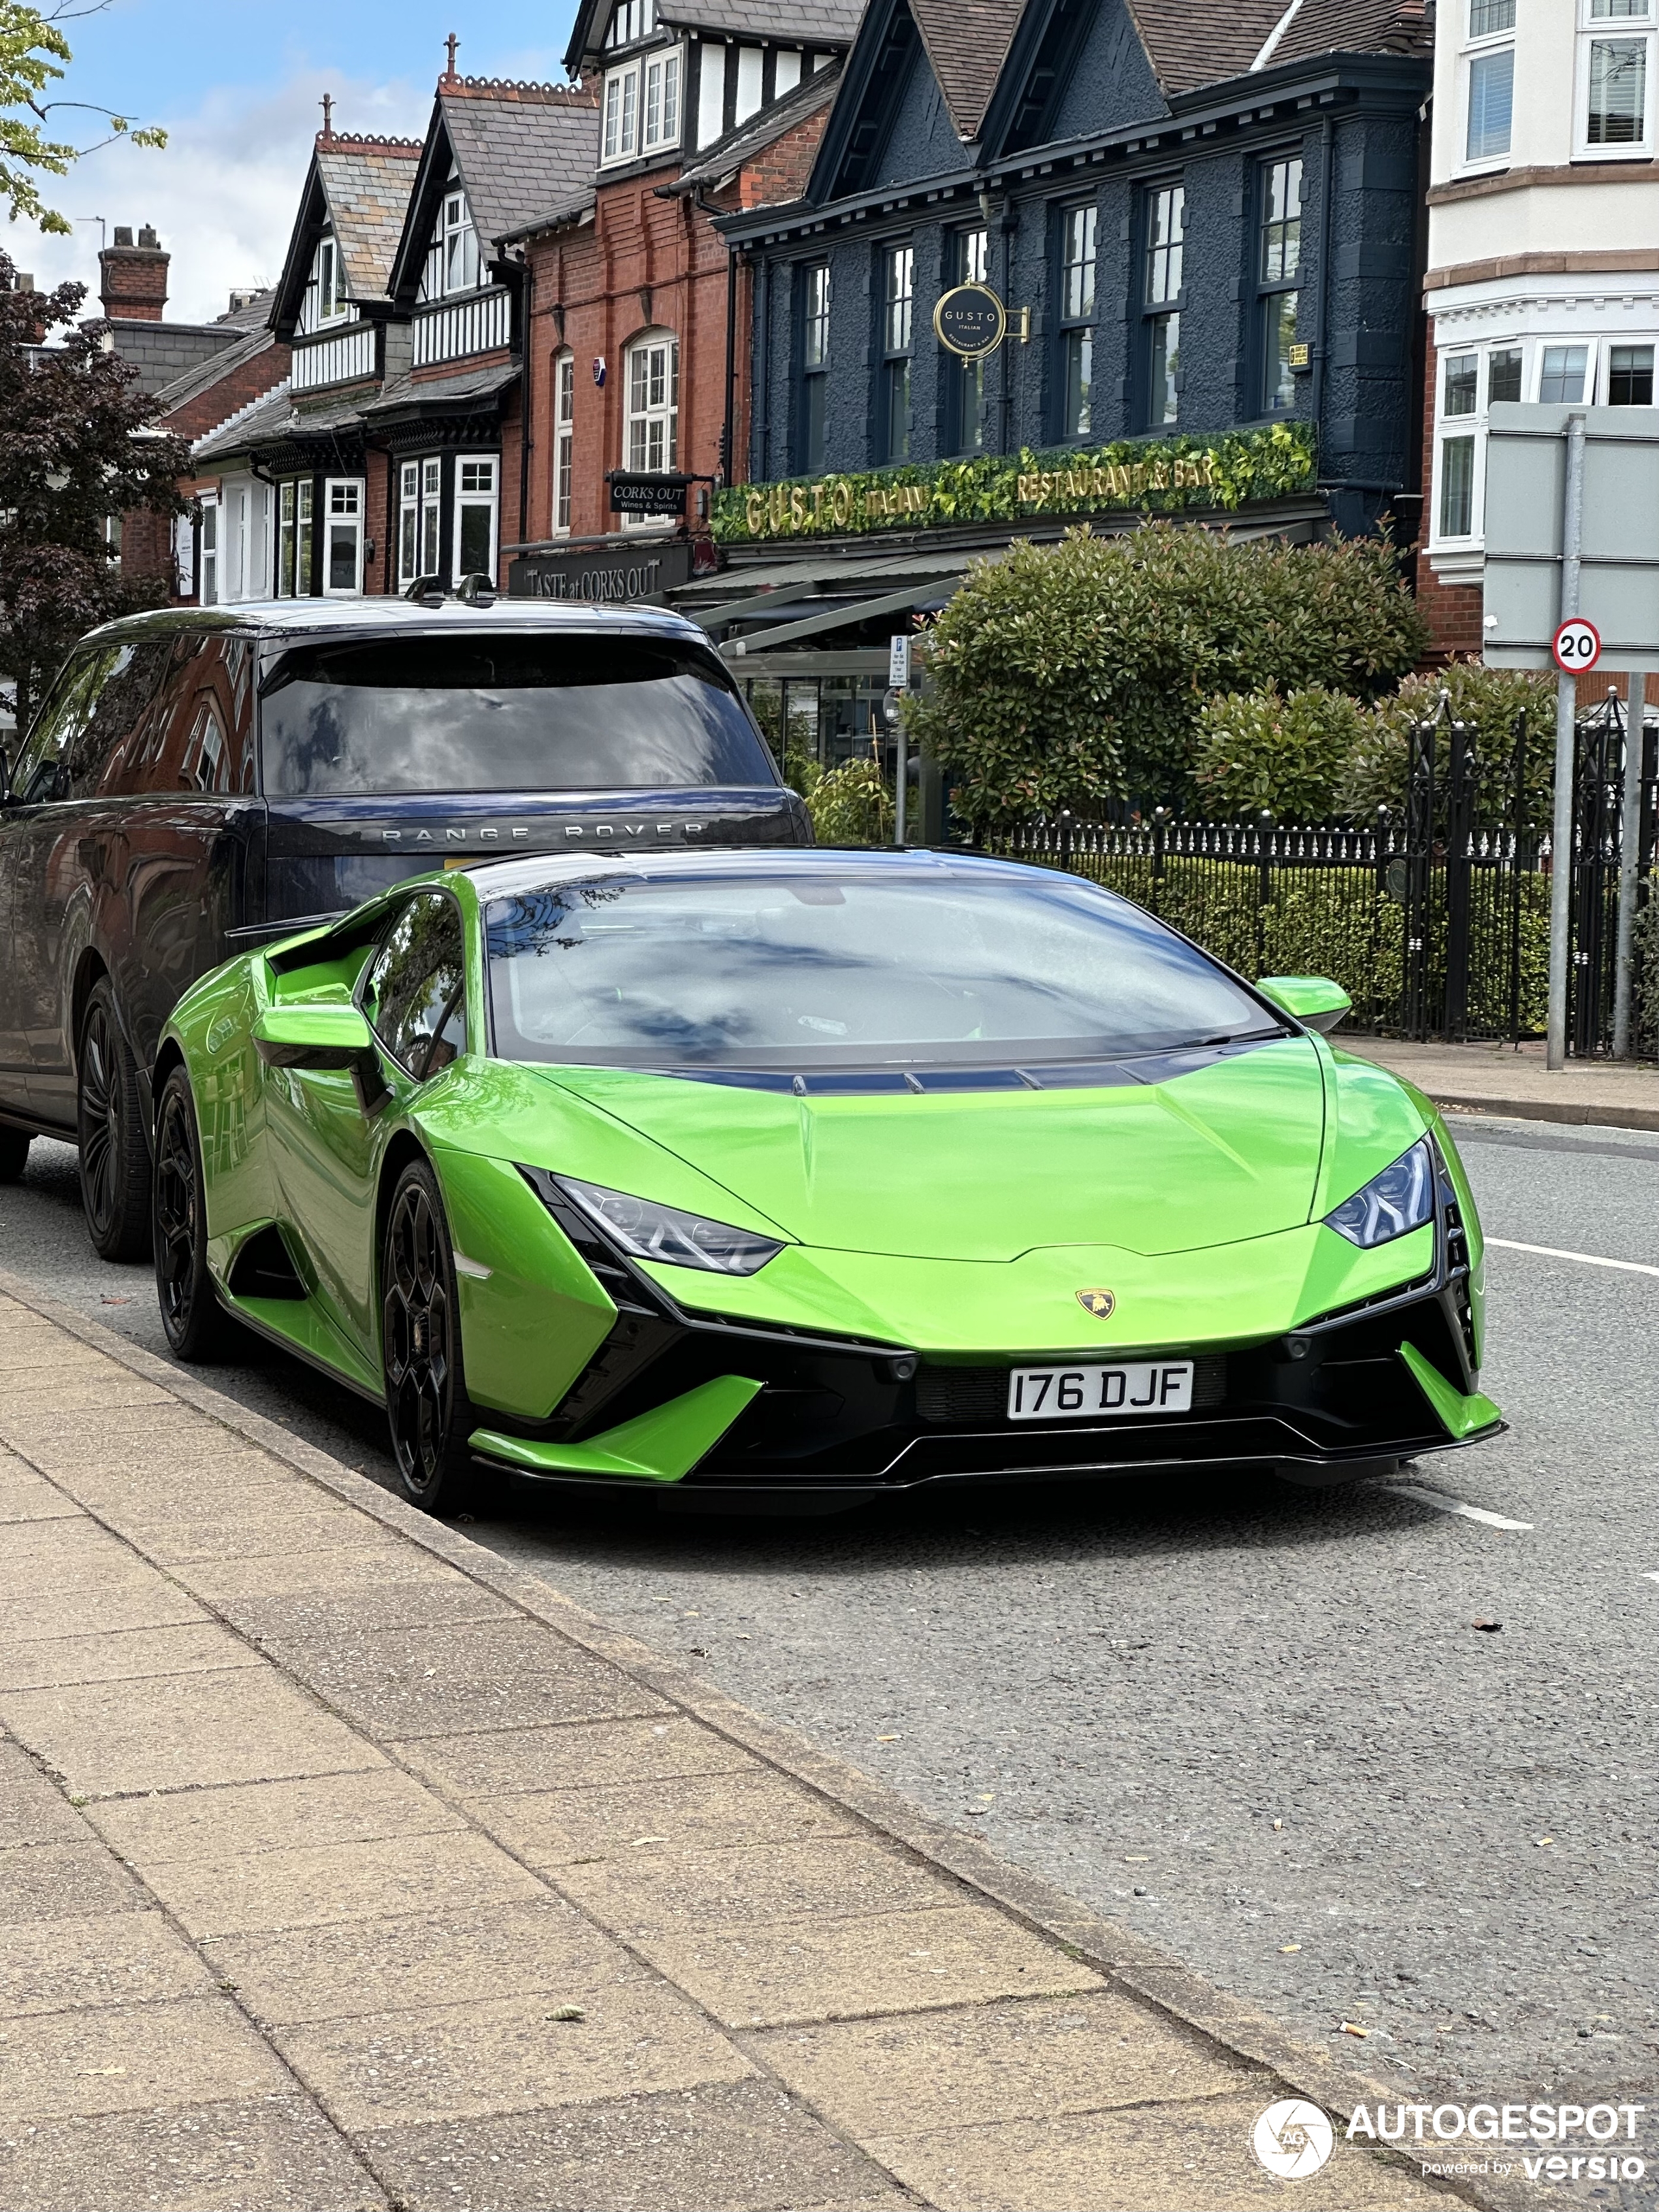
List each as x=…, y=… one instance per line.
x=526, y=336
x=1328, y=169
x=761, y=432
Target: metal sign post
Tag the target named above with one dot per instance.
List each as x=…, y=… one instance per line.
x=1566, y=708
x=898, y=679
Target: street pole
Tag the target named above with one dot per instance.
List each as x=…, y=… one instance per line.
x=898, y=788
x=1566, y=708
x=1630, y=836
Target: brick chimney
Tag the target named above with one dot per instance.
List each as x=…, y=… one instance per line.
x=134, y=285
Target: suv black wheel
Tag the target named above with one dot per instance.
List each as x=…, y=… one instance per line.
x=13, y=1153
x=110, y=1122
x=191, y=1314
x=426, y=1401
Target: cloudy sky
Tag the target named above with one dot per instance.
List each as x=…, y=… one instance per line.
x=237, y=84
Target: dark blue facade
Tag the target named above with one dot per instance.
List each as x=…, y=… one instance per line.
x=1078, y=123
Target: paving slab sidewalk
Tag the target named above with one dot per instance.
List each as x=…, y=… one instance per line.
x=1503, y=1080
x=343, y=1865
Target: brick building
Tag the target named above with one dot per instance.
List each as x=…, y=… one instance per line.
x=632, y=302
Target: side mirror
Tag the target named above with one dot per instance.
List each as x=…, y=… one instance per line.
x=1313, y=1000
x=314, y=1036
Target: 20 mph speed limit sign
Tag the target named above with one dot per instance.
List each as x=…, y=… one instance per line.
x=1576, y=645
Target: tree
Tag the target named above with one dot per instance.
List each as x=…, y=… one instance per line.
x=34, y=52
x=79, y=448
x=1074, y=675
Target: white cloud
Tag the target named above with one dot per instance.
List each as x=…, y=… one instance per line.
x=223, y=194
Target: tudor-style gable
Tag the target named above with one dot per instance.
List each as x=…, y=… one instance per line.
x=334, y=291
x=914, y=92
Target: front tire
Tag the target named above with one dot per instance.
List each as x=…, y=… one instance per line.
x=195, y=1321
x=110, y=1123
x=429, y=1414
x=14, y=1154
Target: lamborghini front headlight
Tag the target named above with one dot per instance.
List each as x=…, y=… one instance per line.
x=646, y=1230
x=1391, y=1203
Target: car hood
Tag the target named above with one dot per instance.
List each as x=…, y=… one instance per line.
x=1227, y=1150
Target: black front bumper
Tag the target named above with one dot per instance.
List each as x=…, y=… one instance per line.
x=839, y=1421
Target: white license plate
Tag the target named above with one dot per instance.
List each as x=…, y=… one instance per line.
x=1085, y=1394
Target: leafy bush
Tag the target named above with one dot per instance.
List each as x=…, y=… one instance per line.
x=1490, y=699
x=1075, y=675
x=1644, y=982
x=852, y=805
x=1259, y=752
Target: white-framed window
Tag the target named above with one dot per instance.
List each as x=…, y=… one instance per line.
x=1470, y=378
x=420, y=517
x=631, y=20
x=642, y=106
x=295, y=508
x=210, y=551
x=564, y=438
x=326, y=298
x=478, y=501
x=652, y=438
x=1488, y=72
x=343, y=536
x=454, y=262
x=1615, y=89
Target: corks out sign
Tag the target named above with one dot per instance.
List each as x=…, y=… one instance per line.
x=639, y=575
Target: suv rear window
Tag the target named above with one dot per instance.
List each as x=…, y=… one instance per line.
x=505, y=714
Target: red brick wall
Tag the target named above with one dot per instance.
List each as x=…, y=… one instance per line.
x=636, y=244
x=133, y=284
x=250, y=379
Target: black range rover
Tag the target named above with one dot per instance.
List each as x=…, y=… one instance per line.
x=197, y=780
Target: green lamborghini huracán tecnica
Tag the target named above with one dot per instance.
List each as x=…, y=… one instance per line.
x=751, y=1175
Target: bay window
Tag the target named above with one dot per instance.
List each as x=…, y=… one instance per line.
x=342, y=539
x=477, y=499
x=1615, y=74
x=420, y=518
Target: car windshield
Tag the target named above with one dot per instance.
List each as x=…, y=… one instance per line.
x=505, y=713
x=796, y=969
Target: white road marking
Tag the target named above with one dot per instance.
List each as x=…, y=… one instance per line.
x=1445, y=1504
x=1584, y=1259
x=1649, y=1575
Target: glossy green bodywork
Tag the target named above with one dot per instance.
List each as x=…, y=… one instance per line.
x=1315, y=1000
x=292, y=1027
x=1458, y=1415
x=961, y=1226
x=660, y=1446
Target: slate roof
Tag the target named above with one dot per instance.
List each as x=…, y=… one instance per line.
x=195, y=381
x=967, y=43
x=730, y=152
x=470, y=384
x=520, y=148
x=264, y=419
x=806, y=23
x=1193, y=43
x=367, y=182
x=160, y=352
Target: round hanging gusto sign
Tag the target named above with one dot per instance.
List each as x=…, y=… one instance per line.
x=1576, y=645
x=971, y=321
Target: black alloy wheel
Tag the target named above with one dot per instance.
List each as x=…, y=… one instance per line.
x=191, y=1314
x=430, y=1415
x=110, y=1124
x=14, y=1154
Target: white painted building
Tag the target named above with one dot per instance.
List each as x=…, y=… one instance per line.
x=1543, y=251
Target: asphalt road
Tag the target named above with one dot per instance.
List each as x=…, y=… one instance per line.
x=1258, y=1724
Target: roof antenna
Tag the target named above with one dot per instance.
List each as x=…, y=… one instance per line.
x=326, y=103
x=451, y=43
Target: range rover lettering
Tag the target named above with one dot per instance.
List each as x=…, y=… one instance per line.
x=201, y=781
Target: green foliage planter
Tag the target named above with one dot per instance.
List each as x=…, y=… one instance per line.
x=1157, y=476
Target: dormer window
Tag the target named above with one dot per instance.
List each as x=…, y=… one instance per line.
x=632, y=20
x=642, y=106
x=326, y=298
x=452, y=263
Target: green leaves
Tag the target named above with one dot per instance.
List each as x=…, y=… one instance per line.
x=1259, y=752
x=32, y=47
x=1155, y=475
x=1074, y=675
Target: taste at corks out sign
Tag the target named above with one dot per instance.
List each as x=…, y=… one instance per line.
x=1159, y=475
